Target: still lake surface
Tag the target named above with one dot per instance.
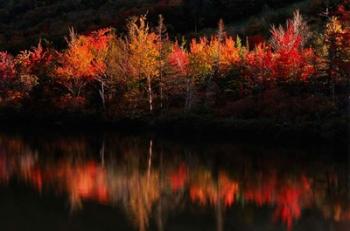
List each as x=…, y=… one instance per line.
x=109, y=181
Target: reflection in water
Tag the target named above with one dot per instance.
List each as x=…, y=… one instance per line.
x=149, y=180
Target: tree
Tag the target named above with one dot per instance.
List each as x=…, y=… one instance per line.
x=17, y=74
x=201, y=62
x=34, y=65
x=74, y=64
x=229, y=55
x=293, y=60
x=143, y=53
x=118, y=68
x=260, y=66
x=7, y=66
x=99, y=44
x=333, y=42
x=83, y=61
x=179, y=62
x=333, y=49
x=7, y=74
x=161, y=36
x=220, y=38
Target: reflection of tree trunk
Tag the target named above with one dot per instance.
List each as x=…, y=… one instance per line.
x=160, y=204
x=332, y=67
x=140, y=207
x=150, y=154
x=102, y=152
x=219, y=212
x=348, y=170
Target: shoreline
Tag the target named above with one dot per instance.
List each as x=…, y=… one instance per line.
x=334, y=131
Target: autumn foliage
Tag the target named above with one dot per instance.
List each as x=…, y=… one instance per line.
x=143, y=71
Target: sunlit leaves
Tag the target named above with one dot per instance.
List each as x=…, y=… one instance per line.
x=201, y=61
x=7, y=66
x=143, y=48
x=83, y=60
x=179, y=60
x=107, y=68
x=143, y=53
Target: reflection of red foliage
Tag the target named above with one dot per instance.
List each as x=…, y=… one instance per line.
x=4, y=172
x=86, y=181
x=289, y=201
x=228, y=189
x=206, y=191
x=36, y=178
x=288, y=208
x=264, y=193
x=178, y=178
x=198, y=194
x=286, y=196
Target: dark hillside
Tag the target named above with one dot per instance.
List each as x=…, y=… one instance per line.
x=23, y=22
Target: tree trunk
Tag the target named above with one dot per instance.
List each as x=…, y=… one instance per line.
x=102, y=95
x=188, y=104
x=160, y=204
x=150, y=96
x=160, y=31
x=161, y=89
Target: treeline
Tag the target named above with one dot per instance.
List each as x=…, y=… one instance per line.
x=297, y=73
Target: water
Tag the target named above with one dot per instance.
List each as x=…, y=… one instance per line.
x=126, y=182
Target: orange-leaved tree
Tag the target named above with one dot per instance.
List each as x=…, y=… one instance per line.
x=201, y=59
x=82, y=61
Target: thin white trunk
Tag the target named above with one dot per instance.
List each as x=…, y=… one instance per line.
x=150, y=96
x=102, y=95
x=188, y=94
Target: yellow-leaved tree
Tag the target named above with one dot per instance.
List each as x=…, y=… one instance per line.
x=143, y=53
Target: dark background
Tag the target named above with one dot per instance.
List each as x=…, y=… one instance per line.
x=24, y=22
